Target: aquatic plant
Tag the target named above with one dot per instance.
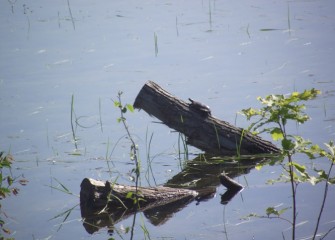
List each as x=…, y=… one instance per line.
x=133, y=148
x=273, y=118
x=134, y=156
x=7, y=187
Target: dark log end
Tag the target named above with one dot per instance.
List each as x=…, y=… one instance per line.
x=229, y=183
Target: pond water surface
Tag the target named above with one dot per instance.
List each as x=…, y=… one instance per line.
x=222, y=53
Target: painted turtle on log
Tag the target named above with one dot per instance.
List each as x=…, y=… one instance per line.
x=204, y=110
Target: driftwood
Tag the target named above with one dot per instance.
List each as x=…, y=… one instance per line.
x=203, y=131
x=103, y=204
x=97, y=194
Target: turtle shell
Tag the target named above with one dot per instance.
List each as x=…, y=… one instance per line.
x=204, y=110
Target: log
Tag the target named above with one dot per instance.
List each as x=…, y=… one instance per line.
x=203, y=131
x=103, y=204
x=96, y=194
x=230, y=183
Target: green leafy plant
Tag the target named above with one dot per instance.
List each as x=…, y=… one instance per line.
x=272, y=118
x=133, y=147
x=134, y=196
x=7, y=187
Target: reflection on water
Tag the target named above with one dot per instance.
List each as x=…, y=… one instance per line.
x=222, y=53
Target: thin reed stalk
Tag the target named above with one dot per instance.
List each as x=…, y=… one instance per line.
x=71, y=16
x=72, y=127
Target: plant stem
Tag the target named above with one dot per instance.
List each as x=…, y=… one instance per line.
x=291, y=173
x=133, y=146
x=72, y=128
x=323, y=201
x=71, y=16
x=293, y=189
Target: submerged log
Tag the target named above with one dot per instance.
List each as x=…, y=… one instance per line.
x=97, y=195
x=230, y=183
x=104, y=204
x=194, y=120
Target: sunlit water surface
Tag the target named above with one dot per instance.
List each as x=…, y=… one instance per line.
x=222, y=53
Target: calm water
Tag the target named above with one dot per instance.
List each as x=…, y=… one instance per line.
x=223, y=53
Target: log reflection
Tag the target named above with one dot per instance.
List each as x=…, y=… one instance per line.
x=104, y=204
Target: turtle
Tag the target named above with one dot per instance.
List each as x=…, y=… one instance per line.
x=204, y=110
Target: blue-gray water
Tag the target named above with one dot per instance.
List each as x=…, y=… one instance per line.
x=222, y=53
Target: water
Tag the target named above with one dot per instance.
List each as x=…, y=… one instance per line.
x=222, y=53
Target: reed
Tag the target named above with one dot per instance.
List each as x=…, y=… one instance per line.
x=72, y=126
x=156, y=44
x=177, y=31
x=64, y=214
x=288, y=18
x=149, y=158
x=247, y=30
x=71, y=16
x=217, y=136
x=210, y=15
x=100, y=118
x=26, y=11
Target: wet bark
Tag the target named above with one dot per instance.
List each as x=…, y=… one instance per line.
x=206, y=132
x=97, y=194
x=103, y=204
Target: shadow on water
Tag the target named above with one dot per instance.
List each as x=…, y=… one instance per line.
x=200, y=175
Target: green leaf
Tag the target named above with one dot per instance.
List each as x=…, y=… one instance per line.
x=4, y=191
x=298, y=167
x=130, y=107
x=250, y=112
x=277, y=134
x=258, y=167
x=331, y=148
x=272, y=210
x=281, y=211
x=287, y=144
x=117, y=104
x=130, y=195
x=323, y=175
x=120, y=119
x=10, y=180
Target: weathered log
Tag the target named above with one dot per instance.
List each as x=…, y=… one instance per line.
x=103, y=204
x=97, y=195
x=203, y=131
